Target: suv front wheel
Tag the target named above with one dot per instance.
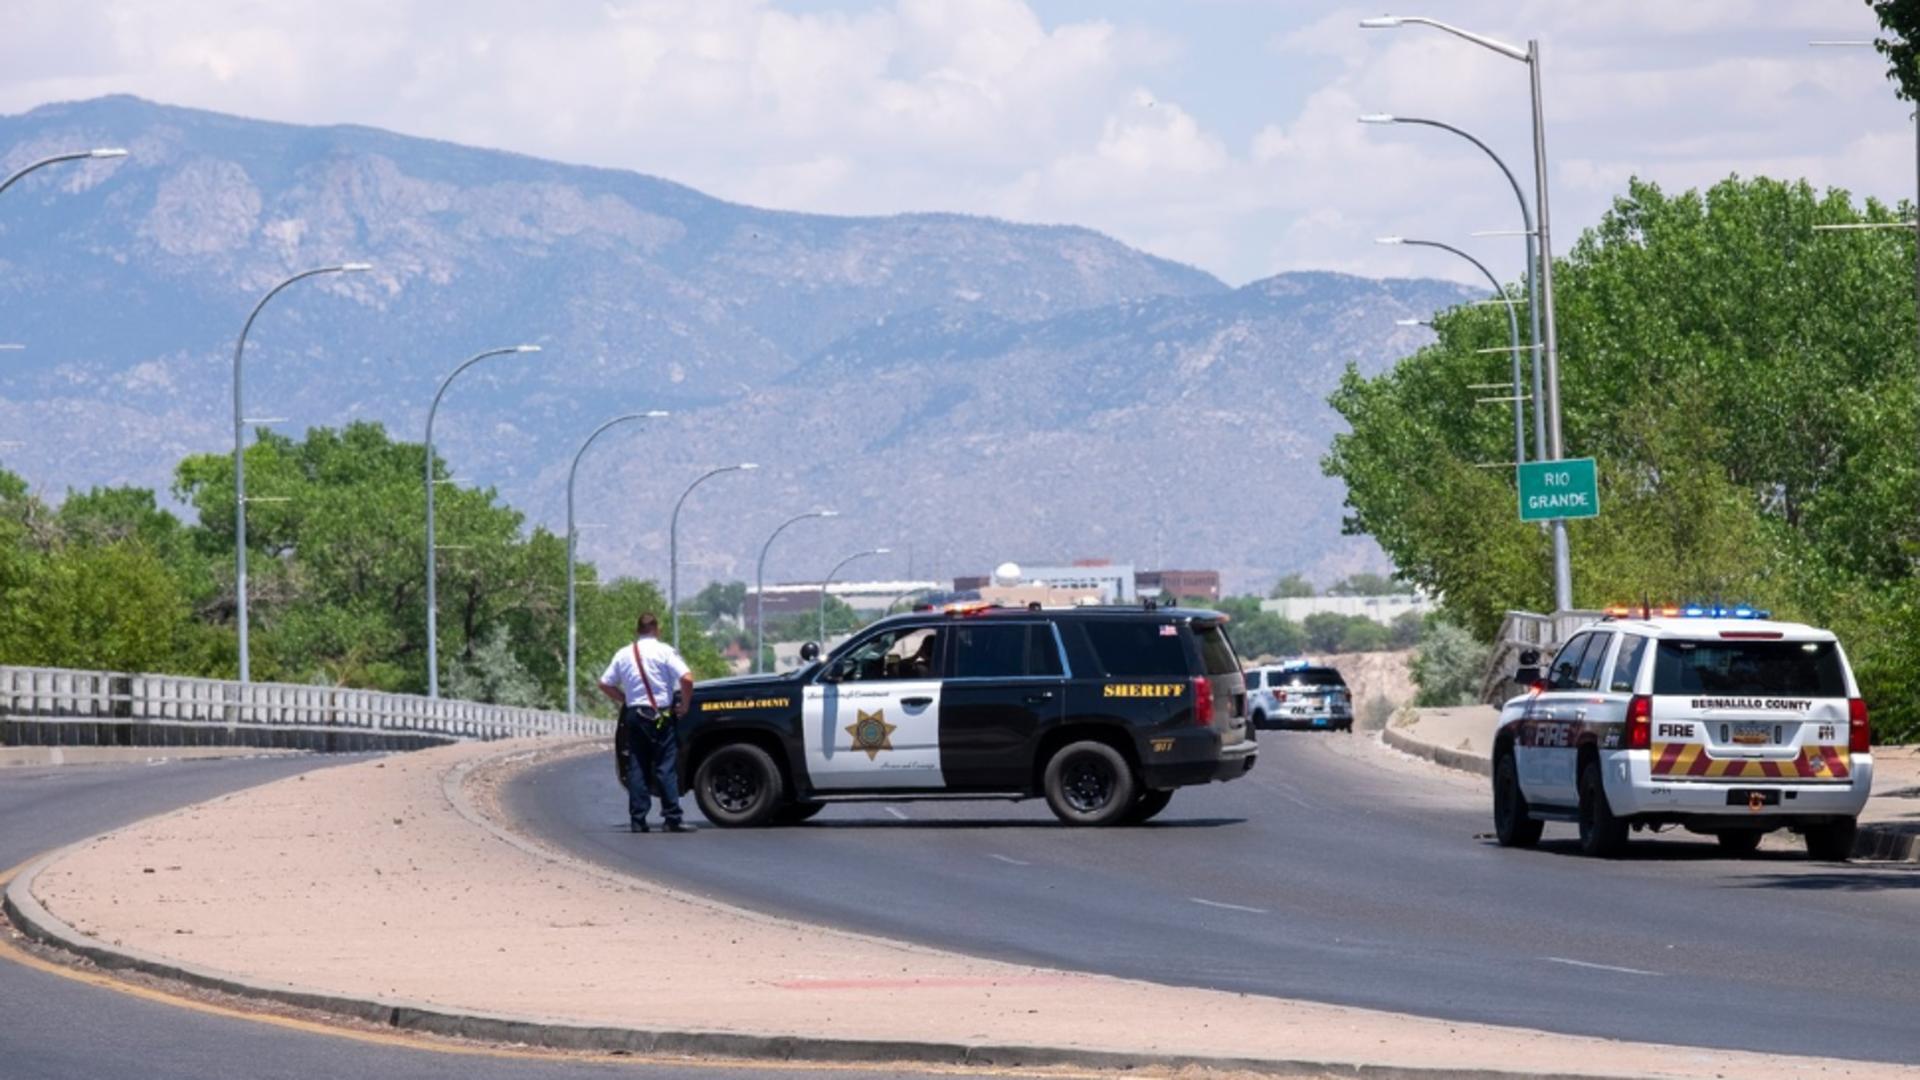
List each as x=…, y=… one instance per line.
x=738, y=786
x=1089, y=783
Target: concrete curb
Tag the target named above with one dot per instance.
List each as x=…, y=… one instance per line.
x=34, y=920
x=1876, y=842
x=1439, y=755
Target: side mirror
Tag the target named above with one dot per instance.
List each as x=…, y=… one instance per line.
x=810, y=651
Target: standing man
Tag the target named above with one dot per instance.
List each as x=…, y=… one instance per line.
x=653, y=687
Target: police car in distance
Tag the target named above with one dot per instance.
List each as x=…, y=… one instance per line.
x=1718, y=720
x=1104, y=711
x=1299, y=694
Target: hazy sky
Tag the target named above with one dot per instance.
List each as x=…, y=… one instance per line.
x=1217, y=132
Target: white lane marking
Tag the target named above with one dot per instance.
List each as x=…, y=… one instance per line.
x=895, y=813
x=1229, y=907
x=1599, y=967
x=1009, y=859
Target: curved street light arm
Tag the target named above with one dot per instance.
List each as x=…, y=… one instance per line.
x=77, y=155
x=835, y=572
x=673, y=543
x=760, y=582
x=1389, y=22
x=573, y=629
x=1513, y=337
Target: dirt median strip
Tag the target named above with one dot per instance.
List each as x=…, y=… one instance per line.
x=369, y=891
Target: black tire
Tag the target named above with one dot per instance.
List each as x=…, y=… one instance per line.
x=1740, y=841
x=1832, y=843
x=1601, y=834
x=1089, y=783
x=796, y=812
x=738, y=786
x=1147, y=805
x=1513, y=823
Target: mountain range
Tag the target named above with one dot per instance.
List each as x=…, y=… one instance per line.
x=963, y=390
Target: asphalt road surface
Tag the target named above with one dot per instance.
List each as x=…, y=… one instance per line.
x=1334, y=873
x=52, y=1028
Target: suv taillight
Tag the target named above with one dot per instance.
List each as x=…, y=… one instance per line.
x=1640, y=722
x=1281, y=697
x=1859, y=732
x=1202, y=701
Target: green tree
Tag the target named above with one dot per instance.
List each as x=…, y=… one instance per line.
x=1292, y=585
x=1449, y=666
x=1365, y=584
x=1747, y=386
x=112, y=607
x=1901, y=20
x=1406, y=630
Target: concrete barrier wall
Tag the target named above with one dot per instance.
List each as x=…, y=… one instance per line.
x=61, y=707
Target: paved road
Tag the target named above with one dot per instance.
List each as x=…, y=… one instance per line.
x=1337, y=873
x=52, y=1028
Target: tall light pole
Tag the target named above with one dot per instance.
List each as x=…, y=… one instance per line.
x=673, y=541
x=1530, y=56
x=1513, y=333
x=77, y=155
x=433, y=605
x=760, y=583
x=573, y=628
x=1533, y=278
x=240, y=459
x=837, y=567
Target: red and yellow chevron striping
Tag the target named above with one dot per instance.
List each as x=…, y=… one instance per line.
x=1691, y=761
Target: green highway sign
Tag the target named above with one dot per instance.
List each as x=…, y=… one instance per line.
x=1559, y=489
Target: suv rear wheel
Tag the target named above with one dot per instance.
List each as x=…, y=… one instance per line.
x=1513, y=823
x=1146, y=805
x=1832, y=843
x=738, y=786
x=1089, y=783
x=1601, y=834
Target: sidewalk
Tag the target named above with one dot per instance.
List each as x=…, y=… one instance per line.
x=378, y=889
x=33, y=757
x=1462, y=738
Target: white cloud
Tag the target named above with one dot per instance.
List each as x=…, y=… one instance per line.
x=984, y=106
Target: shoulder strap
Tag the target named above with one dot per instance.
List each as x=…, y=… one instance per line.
x=641, y=667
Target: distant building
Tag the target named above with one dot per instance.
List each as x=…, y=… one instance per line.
x=1174, y=584
x=866, y=597
x=1381, y=609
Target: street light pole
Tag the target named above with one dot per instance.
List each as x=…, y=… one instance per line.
x=1513, y=333
x=673, y=542
x=573, y=629
x=1532, y=276
x=78, y=155
x=837, y=567
x=1550, y=345
x=433, y=606
x=760, y=583
x=240, y=459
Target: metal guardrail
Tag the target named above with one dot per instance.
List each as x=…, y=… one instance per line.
x=41, y=704
x=1522, y=630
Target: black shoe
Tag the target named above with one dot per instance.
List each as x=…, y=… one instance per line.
x=680, y=826
x=638, y=826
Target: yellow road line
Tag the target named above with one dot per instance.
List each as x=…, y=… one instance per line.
x=406, y=1041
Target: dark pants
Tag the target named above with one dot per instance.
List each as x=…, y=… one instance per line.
x=653, y=764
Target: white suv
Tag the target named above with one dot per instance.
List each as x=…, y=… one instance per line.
x=1718, y=720
x=1299, y=694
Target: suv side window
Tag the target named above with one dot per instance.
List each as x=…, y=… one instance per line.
x=1135, y=649
x=1627, y=664
x=1589, y=677
x=1005, y=651
x=1566, y=666
x=909, y=652
x=1253, y=679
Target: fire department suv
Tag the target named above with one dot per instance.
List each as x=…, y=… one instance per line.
x=1717, y=720
x=1104, y=711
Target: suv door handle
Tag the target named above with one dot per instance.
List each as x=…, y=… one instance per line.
x=1039, y=698
x=916, y=702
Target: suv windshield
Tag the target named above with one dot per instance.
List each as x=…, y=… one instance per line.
x=1313, y=676
x=1749, y=668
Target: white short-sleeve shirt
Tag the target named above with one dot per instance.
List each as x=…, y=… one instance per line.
x=660, y=665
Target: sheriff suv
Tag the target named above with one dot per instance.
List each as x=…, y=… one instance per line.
x=1718, y=720
x=1103, y=711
